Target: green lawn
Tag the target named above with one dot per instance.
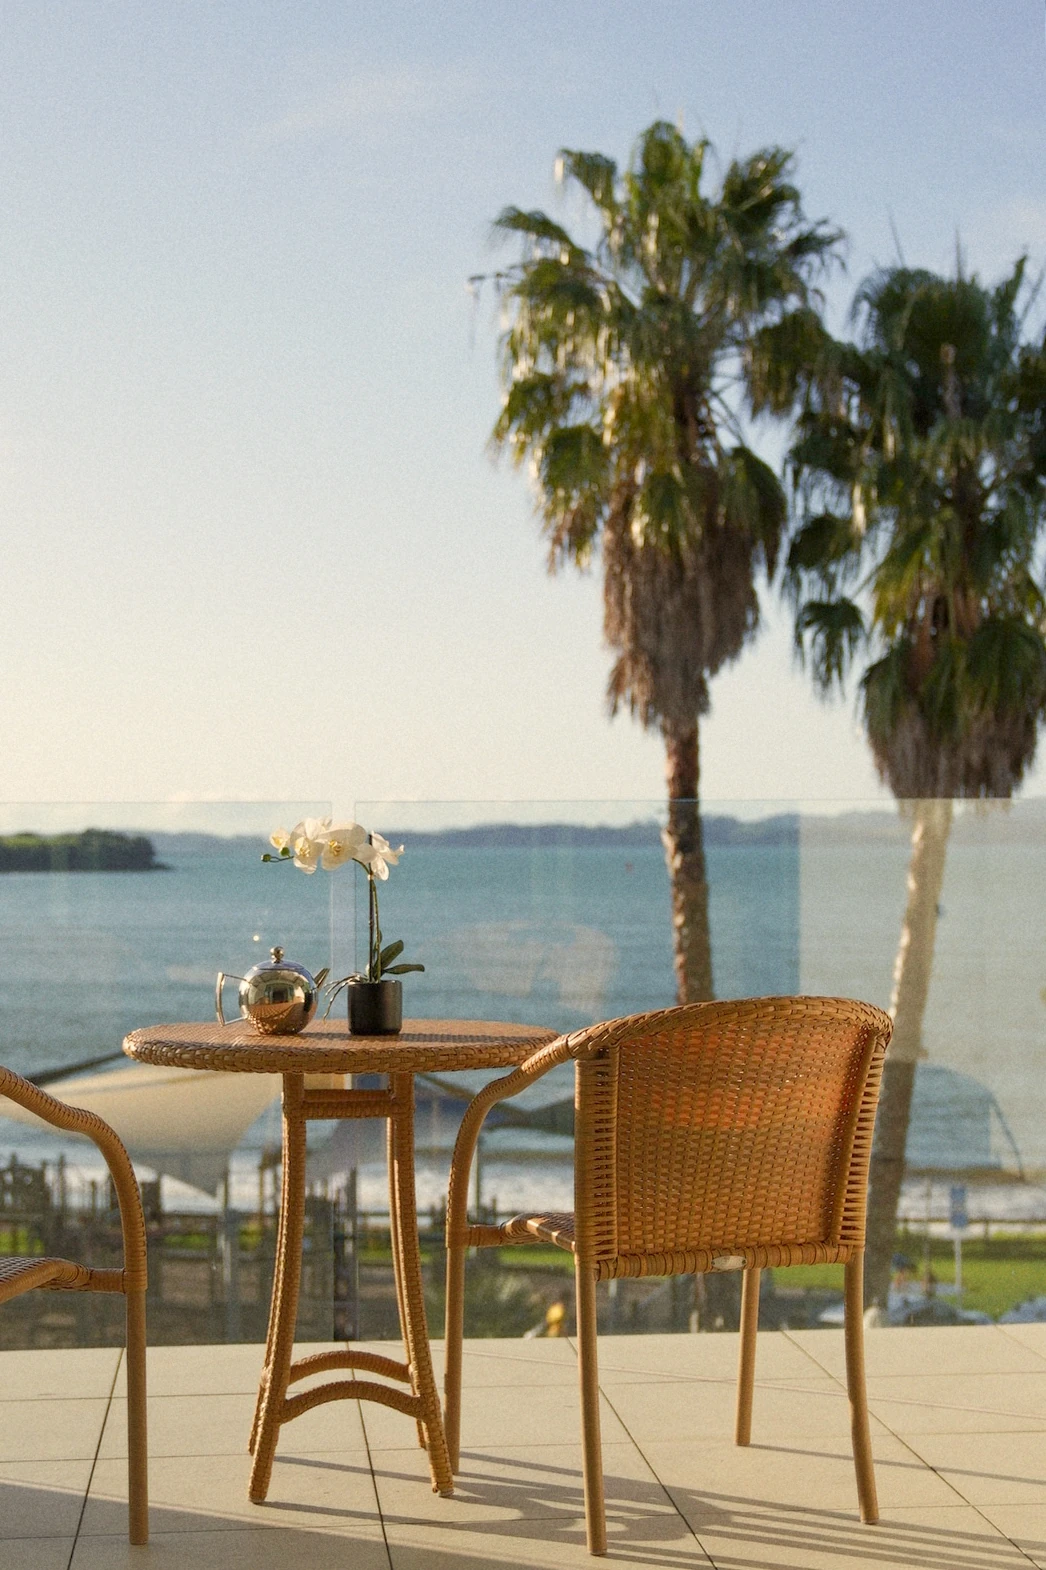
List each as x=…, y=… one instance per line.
x=997, y=1274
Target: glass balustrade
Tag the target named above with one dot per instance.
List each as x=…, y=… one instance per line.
x=554, y=913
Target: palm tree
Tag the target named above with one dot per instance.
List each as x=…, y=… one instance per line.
x=623, y=366
x=920, y=465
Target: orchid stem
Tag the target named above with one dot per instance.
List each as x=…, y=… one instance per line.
x=373, y=957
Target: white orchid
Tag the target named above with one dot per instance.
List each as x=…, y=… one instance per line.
x=319, y=842
x=307, y=853
x=304, y=842
x=383, y=856
x=344, y=842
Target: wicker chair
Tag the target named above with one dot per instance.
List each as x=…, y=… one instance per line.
x=716, y=1136
x=19, y=1274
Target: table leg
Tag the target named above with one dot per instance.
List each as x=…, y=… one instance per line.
x=285, y=1288
x=270, y=1334
x=397, y=1254
x=406, y=1255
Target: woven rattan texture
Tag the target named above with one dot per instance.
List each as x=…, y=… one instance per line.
x=716, y=1136
x=328, y=1048
x=721, y=1128
x=23, y=1274
x=77, y=1121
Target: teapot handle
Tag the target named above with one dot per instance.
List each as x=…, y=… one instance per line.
x=223, y=977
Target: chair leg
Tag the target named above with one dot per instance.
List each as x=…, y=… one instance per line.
x=137, y=1443
x=454, y=1332
x=856, y=1389
x=588, y=1370
x=746, y=1355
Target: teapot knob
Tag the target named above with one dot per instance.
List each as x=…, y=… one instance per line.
x=277, y=954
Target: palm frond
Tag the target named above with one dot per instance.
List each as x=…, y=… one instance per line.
x=1007, y=666
x=828, y=635
x=534, y=225
x=784, y=357
x=753, y=502
x=597, y=175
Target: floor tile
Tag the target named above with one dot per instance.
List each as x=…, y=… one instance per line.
x=1024, y=1525
x=47, y=1553
x=41, y=1498
x=506, y=1483
x=988, y=1469
x=328, y=1491
x=967, y=1475
x=959, y=1403
x=221, y=1425
x=59, y=1374
x=814, y=1474
x=538, y=1349
x=50, y=1430
x=951, y=1349
x=706, y=1408
x=238, y=1549
x=518, y=1362
x=1032, y=1337
x=663, y=1540
x=736, y=1534
x=542, y=1415
x=632, y=1358
x=211, y=1370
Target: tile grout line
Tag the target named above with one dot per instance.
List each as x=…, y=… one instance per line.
x=663, y=1487
x=94, y=1458
x=1022, y=1344
x=374, y=1481
x=646, y=1462
x=808, y=1355
x=962, y=1497
x=929, y=1467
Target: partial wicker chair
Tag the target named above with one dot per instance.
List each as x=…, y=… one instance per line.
x=18, y=1274
x=717, y=1136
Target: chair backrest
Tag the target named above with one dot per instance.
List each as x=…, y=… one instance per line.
x=721, y=1126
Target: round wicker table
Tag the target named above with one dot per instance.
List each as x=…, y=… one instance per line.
x=314, y=1065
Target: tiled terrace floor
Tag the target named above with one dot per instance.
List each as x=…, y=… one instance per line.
x=959, y=1433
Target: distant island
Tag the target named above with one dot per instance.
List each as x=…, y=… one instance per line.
x=93, y=850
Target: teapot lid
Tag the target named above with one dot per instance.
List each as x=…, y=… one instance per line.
x=277, y=962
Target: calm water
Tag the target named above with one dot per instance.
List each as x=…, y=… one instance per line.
x=554, y=936
x=559, y=937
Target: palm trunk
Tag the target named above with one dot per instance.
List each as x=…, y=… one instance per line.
x=685, y=856
x=912, y=974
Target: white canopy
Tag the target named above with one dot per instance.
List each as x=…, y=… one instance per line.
x=179, y=1121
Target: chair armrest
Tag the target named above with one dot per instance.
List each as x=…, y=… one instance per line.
x=76, y=1120
x=537, y=1065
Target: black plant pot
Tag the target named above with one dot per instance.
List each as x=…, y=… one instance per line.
x=375, y=1008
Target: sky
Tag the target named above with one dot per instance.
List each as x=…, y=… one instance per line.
x=256, y=545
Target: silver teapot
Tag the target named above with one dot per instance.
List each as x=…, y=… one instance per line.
x=278, y=997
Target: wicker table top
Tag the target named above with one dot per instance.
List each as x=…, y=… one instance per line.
x=326, y=1047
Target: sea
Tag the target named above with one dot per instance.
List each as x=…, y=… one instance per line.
x=559, y=925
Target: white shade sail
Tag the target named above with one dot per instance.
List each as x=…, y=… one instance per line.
x=183, y=1123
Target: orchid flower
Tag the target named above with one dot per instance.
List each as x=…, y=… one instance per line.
x=383, y=856
x=344, y=842
x=319, y=842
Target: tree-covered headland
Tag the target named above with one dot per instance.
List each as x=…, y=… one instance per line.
x=92, y=850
